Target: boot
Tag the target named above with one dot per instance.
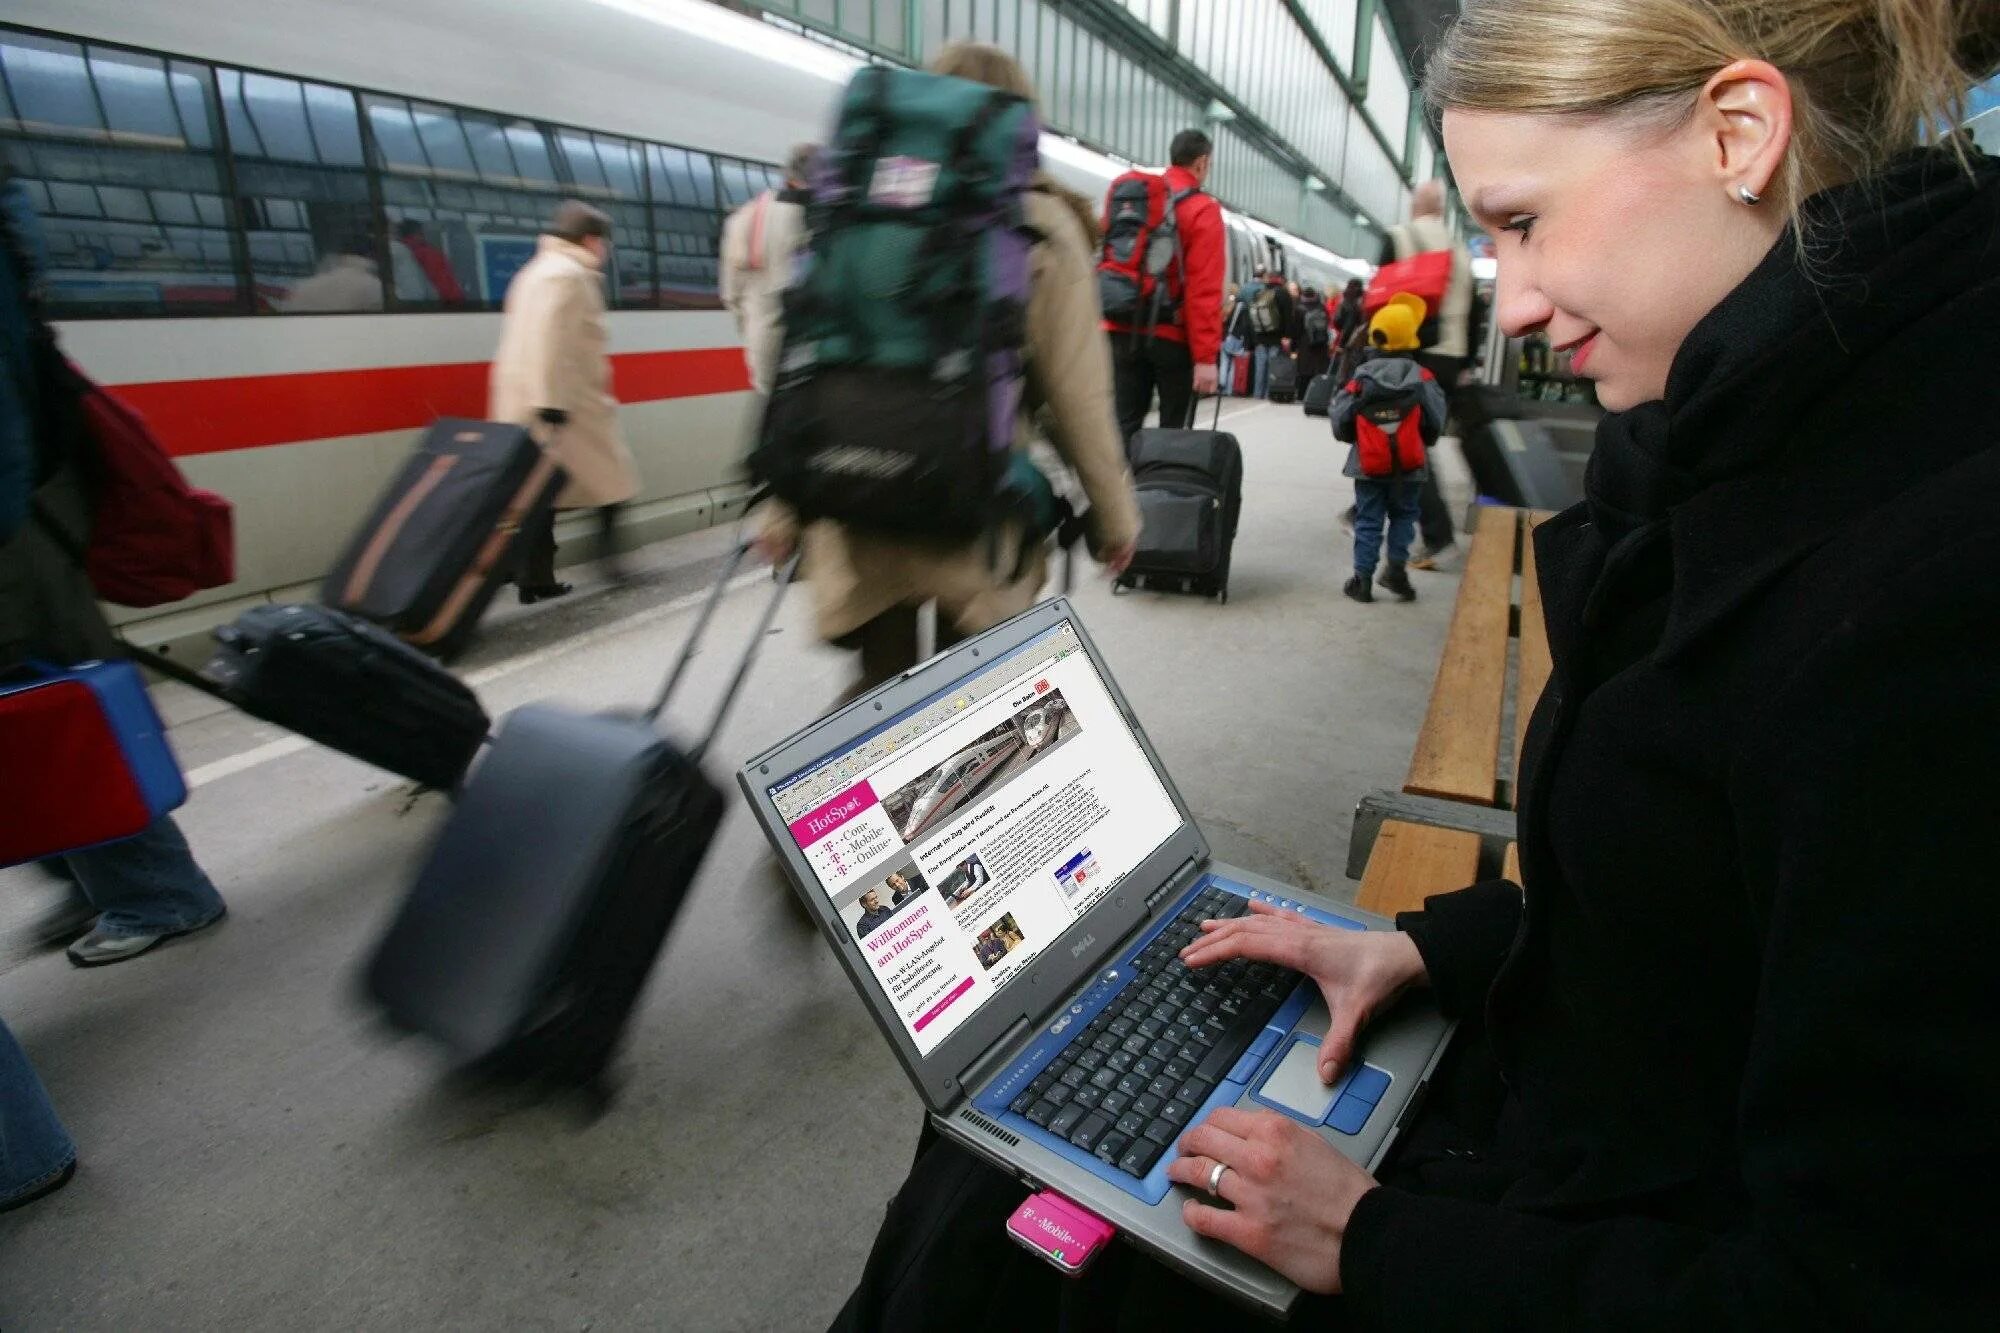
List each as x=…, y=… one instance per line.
x=1396, y=579
x=1361, y=588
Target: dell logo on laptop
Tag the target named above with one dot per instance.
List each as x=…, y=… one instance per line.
x=1076, y=950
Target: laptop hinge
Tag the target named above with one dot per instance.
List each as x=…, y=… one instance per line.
x=1175, y=883
x=992, y=1058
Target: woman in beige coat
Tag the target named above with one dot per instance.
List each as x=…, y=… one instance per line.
x=552, y=374
x=869, y=589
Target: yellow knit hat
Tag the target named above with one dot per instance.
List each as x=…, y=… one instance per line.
x=1394, y=328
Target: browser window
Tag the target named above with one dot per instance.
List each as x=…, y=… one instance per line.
x=961, y=839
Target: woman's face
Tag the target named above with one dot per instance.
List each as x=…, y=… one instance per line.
x=1613, y=239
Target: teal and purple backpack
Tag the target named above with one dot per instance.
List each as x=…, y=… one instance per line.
x=903, y=364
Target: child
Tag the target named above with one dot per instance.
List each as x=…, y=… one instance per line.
x=1392, y=412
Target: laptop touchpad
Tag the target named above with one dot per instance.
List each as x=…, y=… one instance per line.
x=1295, y=1086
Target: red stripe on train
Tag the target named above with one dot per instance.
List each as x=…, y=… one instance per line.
x=254, y=411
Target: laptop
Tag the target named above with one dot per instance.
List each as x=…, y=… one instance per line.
x=1007, y=873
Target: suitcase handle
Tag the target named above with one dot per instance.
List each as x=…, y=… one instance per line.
x=1194, y=410
x=785, y=574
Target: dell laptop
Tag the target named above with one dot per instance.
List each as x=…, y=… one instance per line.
x=1008, y=874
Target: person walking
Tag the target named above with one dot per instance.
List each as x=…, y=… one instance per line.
x=1312, y=336
x=119, y=900
x=1446, y=349
x=552, y=375
x=1350, y=327
x=1392, y=414
x=1235, y=320
x=1175, y=358
x=868, y=589
x=1724, y=1058
x=759, y=242
x=1270, y=318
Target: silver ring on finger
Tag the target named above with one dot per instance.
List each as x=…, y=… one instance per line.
x=1215, y=1178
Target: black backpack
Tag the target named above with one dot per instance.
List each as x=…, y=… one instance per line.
x=1315, y=325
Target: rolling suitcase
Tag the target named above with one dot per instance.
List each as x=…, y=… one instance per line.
x=1319, y=395
x=1190, y=487
x=1282, y=380
x=530, y=931
x=442, y=537
x=349, y=685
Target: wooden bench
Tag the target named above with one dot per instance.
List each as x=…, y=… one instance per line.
x=1455, y=807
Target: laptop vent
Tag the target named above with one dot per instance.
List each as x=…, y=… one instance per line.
x=1011, y=1140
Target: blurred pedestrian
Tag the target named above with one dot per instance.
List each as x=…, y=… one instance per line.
x=759, y=243
x=1446, y=346
x=1270, y=317
x=869, y=589
x=552, y=374
x=1312, y=336
x=1175, y=355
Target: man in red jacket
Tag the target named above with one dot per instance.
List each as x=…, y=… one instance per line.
x=1177, y=356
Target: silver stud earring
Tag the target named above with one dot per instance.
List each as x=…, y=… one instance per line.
x=1743, y=193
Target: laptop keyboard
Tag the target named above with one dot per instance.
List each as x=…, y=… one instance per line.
x=1132, y=1081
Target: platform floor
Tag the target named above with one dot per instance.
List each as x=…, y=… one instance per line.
x=255, y=1154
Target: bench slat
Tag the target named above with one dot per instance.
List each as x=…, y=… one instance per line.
x=1512, y=868
x=1458, y=750
x=1412, y=861
x=1534, y=660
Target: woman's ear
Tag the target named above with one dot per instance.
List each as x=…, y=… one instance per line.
x=1745, y=112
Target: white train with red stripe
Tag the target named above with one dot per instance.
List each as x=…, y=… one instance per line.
x=300, y=418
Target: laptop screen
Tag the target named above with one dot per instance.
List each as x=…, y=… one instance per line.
x=960, y=839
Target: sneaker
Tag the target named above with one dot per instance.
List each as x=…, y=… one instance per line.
x=1441, y=558
x=1396, y=580
x=1361, y=588
x=98, y=949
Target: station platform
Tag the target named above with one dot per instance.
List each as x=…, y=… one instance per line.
x=255, y=1152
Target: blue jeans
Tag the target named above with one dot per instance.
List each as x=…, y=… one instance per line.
x=148, y=885
x=34, y=1146
x=1393, y=500
x=1260, y=368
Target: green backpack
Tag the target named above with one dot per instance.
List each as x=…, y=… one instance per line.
x=902, y=369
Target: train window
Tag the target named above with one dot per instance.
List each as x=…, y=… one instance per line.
x=609, y=172
x=445, y=148
x=737, y=188
x=111, y=146
x=681, y=177
x=295, y=148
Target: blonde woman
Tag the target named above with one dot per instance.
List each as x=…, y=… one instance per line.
x=1731, y=1064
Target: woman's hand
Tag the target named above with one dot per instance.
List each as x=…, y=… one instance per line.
x=1290, y=1192
x=1358, y=971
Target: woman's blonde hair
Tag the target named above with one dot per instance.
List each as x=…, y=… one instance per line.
x=983, y=62
x=1869, y=78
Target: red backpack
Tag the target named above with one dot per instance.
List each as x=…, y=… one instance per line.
x=1141, y=242
x=153, y=538
x=1389, y=436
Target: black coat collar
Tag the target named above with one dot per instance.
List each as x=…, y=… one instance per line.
x=1799, y=404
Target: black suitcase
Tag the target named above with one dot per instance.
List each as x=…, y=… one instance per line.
x=1282, y=379
x=1190, y=486
x=531, y=929
x=442, y=538
x=1319, y=395
x=344, y=683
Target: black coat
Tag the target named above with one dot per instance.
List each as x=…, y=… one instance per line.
x=1749, y=1018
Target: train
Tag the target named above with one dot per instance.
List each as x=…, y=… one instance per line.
x=199, y=165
